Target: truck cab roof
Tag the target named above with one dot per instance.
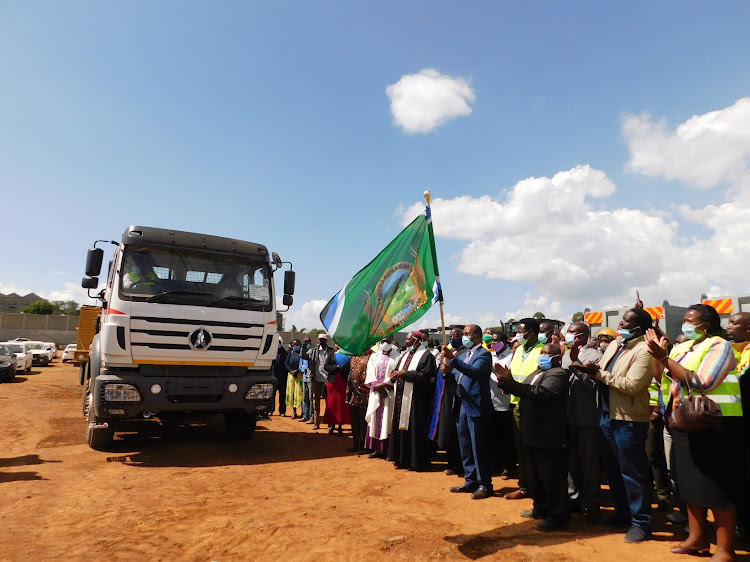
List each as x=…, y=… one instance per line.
x=150, y=236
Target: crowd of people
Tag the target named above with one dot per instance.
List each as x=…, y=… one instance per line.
x=661, y=422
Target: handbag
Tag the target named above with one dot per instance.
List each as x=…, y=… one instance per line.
x=692, y=413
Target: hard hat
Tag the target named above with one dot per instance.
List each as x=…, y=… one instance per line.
x=607, y=332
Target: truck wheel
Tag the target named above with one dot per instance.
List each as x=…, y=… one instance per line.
x=240, y=425
x=98, y=438
x=83, y=373
x=85, y=399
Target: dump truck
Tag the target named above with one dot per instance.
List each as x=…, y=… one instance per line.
x=187, y=327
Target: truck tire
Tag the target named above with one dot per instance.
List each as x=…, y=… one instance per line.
x=98, y=438
x=83, y=373
x=240, y=425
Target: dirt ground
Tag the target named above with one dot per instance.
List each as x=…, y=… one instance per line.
x=287, y=493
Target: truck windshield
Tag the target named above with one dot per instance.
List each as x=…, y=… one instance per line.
x=186, y=276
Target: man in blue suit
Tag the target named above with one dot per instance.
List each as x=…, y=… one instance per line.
x=474, y=405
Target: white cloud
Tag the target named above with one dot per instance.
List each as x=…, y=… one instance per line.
x=306, y=315
x=703, y=151
x=423, y=101
x=558, y=234
x=539, y=303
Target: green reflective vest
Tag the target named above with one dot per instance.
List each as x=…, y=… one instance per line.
x=521, y=368
x=690, y=355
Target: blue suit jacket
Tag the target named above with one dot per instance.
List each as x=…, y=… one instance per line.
x=475, y=383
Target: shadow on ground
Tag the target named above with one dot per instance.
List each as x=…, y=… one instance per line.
x=209, y=444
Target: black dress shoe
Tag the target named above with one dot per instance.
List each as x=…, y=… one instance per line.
x=548, y=525
x=481, y=493
x=465, y=488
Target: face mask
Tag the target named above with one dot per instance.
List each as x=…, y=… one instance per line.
x=296, y=348
x=280, y=346
x=604, y=345
x=626, y=333
x=386, y=347
x=569, y=339
x=466, y=340
x=487, y=339
x=523, y=340
x=498, y=347
x=691, y=331
x=456, y=343
x=542, y=338
x=545, y=362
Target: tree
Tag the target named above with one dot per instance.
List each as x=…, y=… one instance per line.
x=40, y=307
x=317, y=331
x=279, y=321
x=67, y=308
x=539, y=315
x=578, y=317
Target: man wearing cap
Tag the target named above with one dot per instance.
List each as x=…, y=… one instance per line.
x=414, y=383
x=321, y=362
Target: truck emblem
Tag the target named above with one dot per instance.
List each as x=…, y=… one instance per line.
x=200, y=339
x=203, y=311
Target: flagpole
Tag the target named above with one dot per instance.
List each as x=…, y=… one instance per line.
x=428, y=197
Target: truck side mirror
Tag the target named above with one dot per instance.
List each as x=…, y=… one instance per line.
x=90, y=282
x=289, y=278
x=94, y=262
x=287, y=300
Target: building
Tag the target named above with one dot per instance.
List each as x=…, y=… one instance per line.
x=16, y=303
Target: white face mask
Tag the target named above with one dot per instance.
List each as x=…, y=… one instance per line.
x=386, y=346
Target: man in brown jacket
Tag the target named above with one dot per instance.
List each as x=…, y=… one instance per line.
x=626, y=371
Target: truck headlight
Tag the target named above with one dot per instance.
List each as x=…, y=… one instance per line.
x=262, y=391
x=121, y=393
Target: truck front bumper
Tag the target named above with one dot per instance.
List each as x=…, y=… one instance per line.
x=130, y=395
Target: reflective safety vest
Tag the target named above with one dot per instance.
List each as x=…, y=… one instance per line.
x=150, y=278
x=653, y=394
x=742, y=356
x=521, y=368
x=690, y=355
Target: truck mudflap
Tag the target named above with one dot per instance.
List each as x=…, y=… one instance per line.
x=132, y=395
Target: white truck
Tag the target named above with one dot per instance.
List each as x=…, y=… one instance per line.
x=187, y=327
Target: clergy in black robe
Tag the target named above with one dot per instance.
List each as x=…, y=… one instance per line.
x=410, y=447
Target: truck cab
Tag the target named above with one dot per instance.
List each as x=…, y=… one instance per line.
x=187, y=326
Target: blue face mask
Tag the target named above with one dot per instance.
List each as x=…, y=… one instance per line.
x=542, y=338
x=456, y=343
x=625, y=333
x=466, y=340
x=296, y=348
x=569, y=339
x=691, y=331
x=545, y=362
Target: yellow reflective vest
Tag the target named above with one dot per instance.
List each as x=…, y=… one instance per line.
x=521, y=368
x=690, y=355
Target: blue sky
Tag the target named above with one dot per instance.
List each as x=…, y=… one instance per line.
x=270, y=122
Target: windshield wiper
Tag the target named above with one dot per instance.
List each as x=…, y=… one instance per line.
x=169, y=295
x=236, y=299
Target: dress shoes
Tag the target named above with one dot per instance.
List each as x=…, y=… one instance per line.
x=530, y=514
x=465, y=488
x=481, y=493
x=517, y=495
x=637, y=534
x=548, y=525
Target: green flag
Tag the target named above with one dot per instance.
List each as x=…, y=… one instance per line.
x=391, y=292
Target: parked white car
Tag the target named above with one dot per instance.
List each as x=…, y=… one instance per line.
x=53, y=349
x=39, y=352
x=69, y=352
x=23, y=355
